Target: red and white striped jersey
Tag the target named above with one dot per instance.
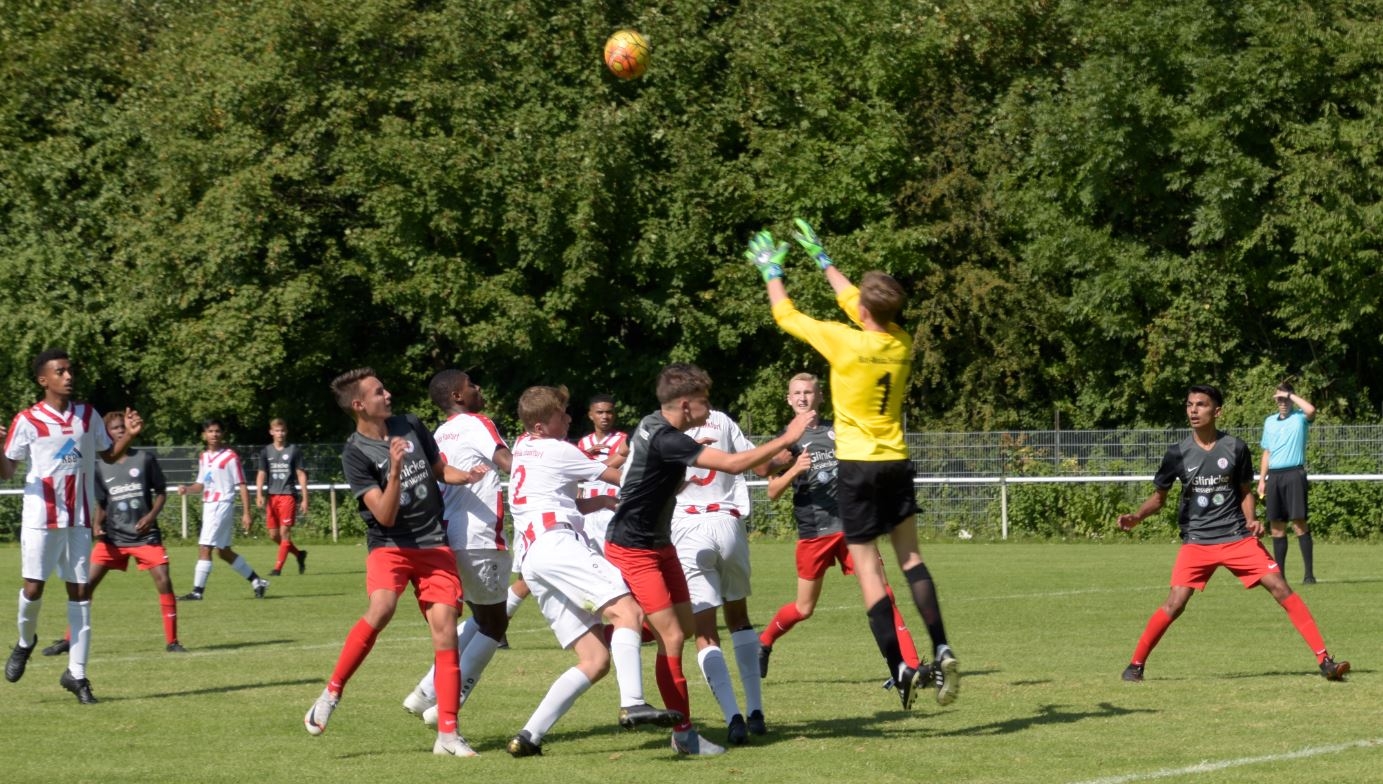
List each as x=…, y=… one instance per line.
x=219, y=474
x=61, y=449
x=601, y=449
x=465, y=441
x=713, y=491
x=543, y=485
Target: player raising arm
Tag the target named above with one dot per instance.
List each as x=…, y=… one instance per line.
x=639, y=540
x=572, y=584
x=392, y=464
x=870, y=365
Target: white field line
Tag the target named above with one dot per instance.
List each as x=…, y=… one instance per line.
x=1211, y=767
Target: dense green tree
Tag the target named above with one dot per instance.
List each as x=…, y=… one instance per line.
x=218, y=206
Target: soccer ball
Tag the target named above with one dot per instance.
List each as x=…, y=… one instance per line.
x=626, y=54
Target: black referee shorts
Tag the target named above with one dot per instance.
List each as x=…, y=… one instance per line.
x=1286, y=494
x=874, y=497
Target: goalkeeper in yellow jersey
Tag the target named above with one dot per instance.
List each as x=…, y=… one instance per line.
x=870, y=363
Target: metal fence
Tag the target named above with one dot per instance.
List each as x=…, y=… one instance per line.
x=963, y=479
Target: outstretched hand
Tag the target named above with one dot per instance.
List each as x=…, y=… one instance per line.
x=766, y=256
x=806, y=237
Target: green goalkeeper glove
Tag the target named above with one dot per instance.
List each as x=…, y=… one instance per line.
x=811, y=243
x=766, y=256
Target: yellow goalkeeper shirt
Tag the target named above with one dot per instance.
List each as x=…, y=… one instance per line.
x=869, y=372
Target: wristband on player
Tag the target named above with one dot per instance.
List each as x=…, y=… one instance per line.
x=766, y=256
x=806, y=237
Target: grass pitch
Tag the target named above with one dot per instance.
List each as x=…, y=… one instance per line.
x=1042, y=632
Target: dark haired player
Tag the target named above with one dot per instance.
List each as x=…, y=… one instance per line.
x=1218, y=528
x=870, y=367
x=219, y=478
x=59, y=439
x=639, y=540
x=392, y=465
x=605, y=444
x=130, y=494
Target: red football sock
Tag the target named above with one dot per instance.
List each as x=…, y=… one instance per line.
x=672, y=685
x=1157, y=624
x=905, y=643
x=1306, y=625
x=448, y=683
x=168, y=604
x=286, y=549
x=357, y=646
x=783, y=621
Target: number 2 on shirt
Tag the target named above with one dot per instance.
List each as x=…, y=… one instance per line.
x=516, y=498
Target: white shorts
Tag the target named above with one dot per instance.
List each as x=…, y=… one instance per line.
x=484, y=575
x=596, y=523
x=68, y=550
x=714, y=551
x=217, y=524
x=571, y=581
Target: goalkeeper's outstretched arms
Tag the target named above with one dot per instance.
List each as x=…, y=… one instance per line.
x=806, y=237
x=767, y=257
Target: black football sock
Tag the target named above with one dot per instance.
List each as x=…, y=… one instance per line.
x=1280, y=553
x=1306, y=552
x=886, y=634
x=924, y=596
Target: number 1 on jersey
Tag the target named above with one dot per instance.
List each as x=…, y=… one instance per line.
x=885, y=381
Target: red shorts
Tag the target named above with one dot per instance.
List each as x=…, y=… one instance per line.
x=1246, y=558
x=815, y=557
x=146, y=556
x=432, y=572
x=655, y=577
x=281, y=511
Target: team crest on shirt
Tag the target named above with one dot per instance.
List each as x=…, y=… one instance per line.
x=134, y=472
x=408, y=447
x=421, y=491
x=831, y=433
x=1223, y=463
x=1217, y=499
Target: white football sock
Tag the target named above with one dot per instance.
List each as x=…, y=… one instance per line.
x=79, y=621
x=200, y=575
x=474, y=659
x=241, y=567
x=624, y=652
x=712, y=661
x=746, y=642
x=28, y=619
x=512, y=602
x=560, y=697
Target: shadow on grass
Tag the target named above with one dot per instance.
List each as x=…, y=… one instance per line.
x=216, y=690
x=235, y=646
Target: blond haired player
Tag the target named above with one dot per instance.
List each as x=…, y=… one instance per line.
x=573, y=585
x=708, y=530
x=474, y=517
x=219, y=479
x=809, y=468
x=870, y=365
x=59, y=439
